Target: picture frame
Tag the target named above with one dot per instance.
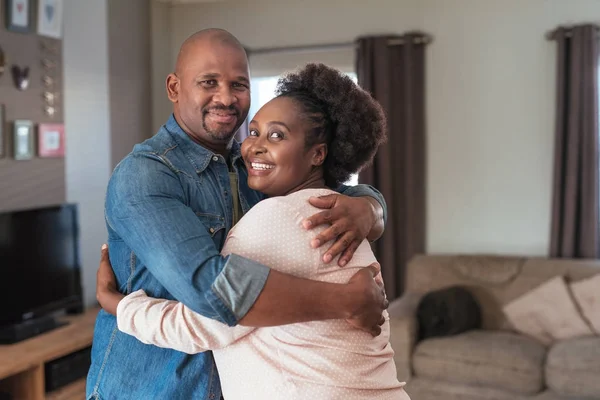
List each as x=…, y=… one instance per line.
x=2, y=124
x=51, y=140
x=23, y=139
x=50, y=18
x=18, y=15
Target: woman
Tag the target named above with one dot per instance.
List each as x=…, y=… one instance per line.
x=320, y=129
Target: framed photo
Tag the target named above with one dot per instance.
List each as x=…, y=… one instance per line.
x=50, y=13
x=2, y=123
x=51, y=140
x=18, y=15
x=23, y=139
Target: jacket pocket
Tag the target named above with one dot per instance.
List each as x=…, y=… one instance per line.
x=215, y=224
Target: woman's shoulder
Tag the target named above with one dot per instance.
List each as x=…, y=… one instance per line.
x=297, y=201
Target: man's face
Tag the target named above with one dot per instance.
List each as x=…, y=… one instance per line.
x=211, y=92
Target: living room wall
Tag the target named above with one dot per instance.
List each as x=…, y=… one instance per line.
x=107, y=107
x=39, y=181
x=490, y=98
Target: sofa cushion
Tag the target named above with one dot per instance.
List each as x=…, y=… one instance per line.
x=547, y=313
x=434, y=389
x=493, y=359
x=573, y=367
x=587, y=295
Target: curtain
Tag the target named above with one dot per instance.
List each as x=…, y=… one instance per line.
x=392, y=69
x=575, y=203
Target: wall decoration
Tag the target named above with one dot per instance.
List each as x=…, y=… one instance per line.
x=50, y=18
x=2, y=122
x=18, y=15
x=23, y=139
x=51, y=140
x=20, y=77
x=2, y=62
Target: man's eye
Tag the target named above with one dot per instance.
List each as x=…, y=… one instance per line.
x=238, y=85
x=209, y=82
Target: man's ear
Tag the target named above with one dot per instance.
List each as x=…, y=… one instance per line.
x=173, y=85
x=319, y=154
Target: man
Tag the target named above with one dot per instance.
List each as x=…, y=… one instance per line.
x=169, y=206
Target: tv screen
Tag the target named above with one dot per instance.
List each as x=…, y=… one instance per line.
x=39, y=262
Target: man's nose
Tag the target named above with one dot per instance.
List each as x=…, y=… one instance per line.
x=225, y=96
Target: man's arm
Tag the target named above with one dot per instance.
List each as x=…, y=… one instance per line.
x=357, y=213
x=151, y=216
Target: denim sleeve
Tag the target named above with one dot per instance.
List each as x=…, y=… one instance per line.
x=365, y=190
x=146, y=206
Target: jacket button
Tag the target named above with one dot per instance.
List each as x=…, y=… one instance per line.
x=212, y=230
x=215, y=158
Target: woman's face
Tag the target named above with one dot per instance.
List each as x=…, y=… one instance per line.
x=275, y=153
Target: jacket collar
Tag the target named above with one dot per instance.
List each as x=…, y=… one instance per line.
x=199, y=156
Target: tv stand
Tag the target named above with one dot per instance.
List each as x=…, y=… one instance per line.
x=22, y=364
x=28, y=329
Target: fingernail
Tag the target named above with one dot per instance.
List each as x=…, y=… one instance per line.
x=315, y=243
x=104, y=246
x=343, y=263
x=307, y=224
x=327, y=258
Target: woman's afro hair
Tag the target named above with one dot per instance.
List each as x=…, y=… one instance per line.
x=343, y=115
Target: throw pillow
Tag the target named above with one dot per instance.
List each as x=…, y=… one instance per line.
x=447, y=312
x=587, y=295
x=547, y=313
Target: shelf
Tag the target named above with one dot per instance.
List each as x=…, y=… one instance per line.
x=22, y=364
x=73, y=391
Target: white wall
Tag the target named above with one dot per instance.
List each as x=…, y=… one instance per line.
x=490, y=96
x=87, y=126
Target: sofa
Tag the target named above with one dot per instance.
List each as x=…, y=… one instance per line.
x=494, y=361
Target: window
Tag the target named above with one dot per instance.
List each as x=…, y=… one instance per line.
x=263, y=90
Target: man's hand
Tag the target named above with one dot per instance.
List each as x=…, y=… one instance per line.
x=351, y=218
x=368, y=293
x=106, y=284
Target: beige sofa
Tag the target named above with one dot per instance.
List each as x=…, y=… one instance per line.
x=494, y=363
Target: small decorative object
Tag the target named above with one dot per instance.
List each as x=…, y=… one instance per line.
x=51, y=138
x=48, y=81
x=23, y=139
x=50, y=18
x=18, y=16
x=49, y=111
x=20, y=77
x=2, y=116
x=2, y=62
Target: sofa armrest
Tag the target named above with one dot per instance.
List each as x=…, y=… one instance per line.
x=403, y=332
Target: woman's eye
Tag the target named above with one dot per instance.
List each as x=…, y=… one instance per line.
x=253, y=133
x=276, y=135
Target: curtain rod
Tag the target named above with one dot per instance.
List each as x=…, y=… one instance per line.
x=552, y=34
x=331, y=46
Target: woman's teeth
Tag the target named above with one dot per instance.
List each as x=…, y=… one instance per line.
x=262, y=166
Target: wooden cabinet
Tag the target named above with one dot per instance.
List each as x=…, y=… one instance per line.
x=22, y=364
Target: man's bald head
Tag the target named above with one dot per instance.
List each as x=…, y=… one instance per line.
x=204, y=40
x=210, y=88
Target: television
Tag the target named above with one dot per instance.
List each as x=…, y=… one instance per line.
x=41, y=272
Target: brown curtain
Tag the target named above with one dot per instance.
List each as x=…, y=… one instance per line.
x=575, y=225
x=392, y=69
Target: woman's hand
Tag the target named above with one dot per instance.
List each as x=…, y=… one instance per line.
x=106, y=284
x=352, y=220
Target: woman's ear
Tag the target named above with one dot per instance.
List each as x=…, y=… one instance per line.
x=319, y=154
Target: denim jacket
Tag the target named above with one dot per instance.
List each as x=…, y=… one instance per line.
x=168, y=210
